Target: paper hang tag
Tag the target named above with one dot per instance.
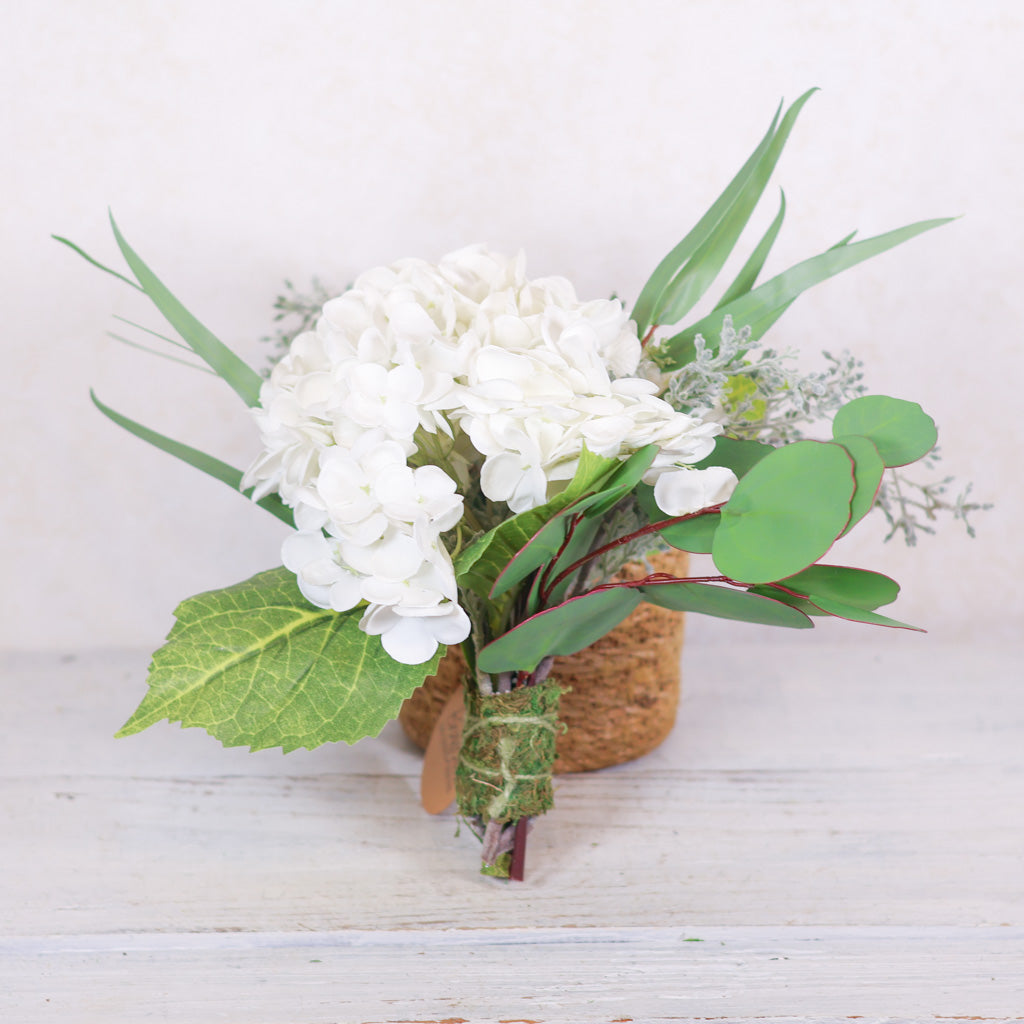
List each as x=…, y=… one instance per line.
x=437, y=784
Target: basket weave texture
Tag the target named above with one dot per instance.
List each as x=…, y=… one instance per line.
x=623, y=690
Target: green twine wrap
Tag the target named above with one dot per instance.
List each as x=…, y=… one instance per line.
x=508, y=751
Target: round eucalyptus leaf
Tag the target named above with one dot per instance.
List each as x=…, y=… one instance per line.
x=785, y=513
x=868, y=468
x=696, y=535
x=901, y=431
x=858, y=587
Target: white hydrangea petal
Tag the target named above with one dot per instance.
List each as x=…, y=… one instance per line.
x=682, y=491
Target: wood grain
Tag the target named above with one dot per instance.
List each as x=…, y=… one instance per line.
x=841, y=827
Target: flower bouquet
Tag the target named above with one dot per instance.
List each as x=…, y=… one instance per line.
x=463, y=455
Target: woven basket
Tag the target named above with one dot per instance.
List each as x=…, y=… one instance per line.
x=624, y=689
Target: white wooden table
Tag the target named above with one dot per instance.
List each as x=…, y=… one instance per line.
x=832, y=832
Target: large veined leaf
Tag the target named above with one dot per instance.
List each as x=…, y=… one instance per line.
x=229, y=367
x=901, y=431
x=760, y=308
x=255, y=664
x=785, y=513
x=208, y=464
x=724, y=603
x=564, y=629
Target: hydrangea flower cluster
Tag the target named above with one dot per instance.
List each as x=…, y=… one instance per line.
x=423, y=379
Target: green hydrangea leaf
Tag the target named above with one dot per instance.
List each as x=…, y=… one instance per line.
x=785, y=513
x=901, y=431
x=256, y=665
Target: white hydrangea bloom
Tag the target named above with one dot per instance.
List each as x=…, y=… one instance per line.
x=519, y=374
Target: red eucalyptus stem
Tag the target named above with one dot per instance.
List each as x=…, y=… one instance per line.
x=546, y=592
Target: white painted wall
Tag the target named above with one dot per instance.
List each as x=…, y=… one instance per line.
x=240, y=144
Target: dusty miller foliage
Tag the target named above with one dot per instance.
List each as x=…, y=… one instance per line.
x=762, y=396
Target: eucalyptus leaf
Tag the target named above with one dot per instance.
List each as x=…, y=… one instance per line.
x=255, y=664
x=860, y=588
x=694, y=535
x=480, y=563
x=785, y=513
x=603, y=494
x=738, y=455
x=229, y=367
x=901, y=431
x=725, y=603
x=851, y=613
x=868, y=469
x=197, y=460
x=564, y=629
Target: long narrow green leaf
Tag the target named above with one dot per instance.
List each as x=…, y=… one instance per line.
x=703, y=267
x=157, y=352
x=96, y=263
x=198, y=460
x=747, y=276
x=240, y=376
x=155, y=334
x=646, y=304
x=761, y=307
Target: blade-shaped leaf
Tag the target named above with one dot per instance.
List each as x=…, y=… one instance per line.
x=901, y=431
x=724, y=603
x=761, y=307
x=703, y=267
x=255, y=664
x=652, y=291
x=230, y=368
x=785, y=513
x=564, y=629
x=688, y=271
x=747, y=277
x=198, y=460
x=96, y=263
x=868, y=469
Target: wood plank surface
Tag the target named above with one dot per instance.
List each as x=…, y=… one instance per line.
x=841, y=828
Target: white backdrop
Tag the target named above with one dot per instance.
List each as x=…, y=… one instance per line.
x=242, y=143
